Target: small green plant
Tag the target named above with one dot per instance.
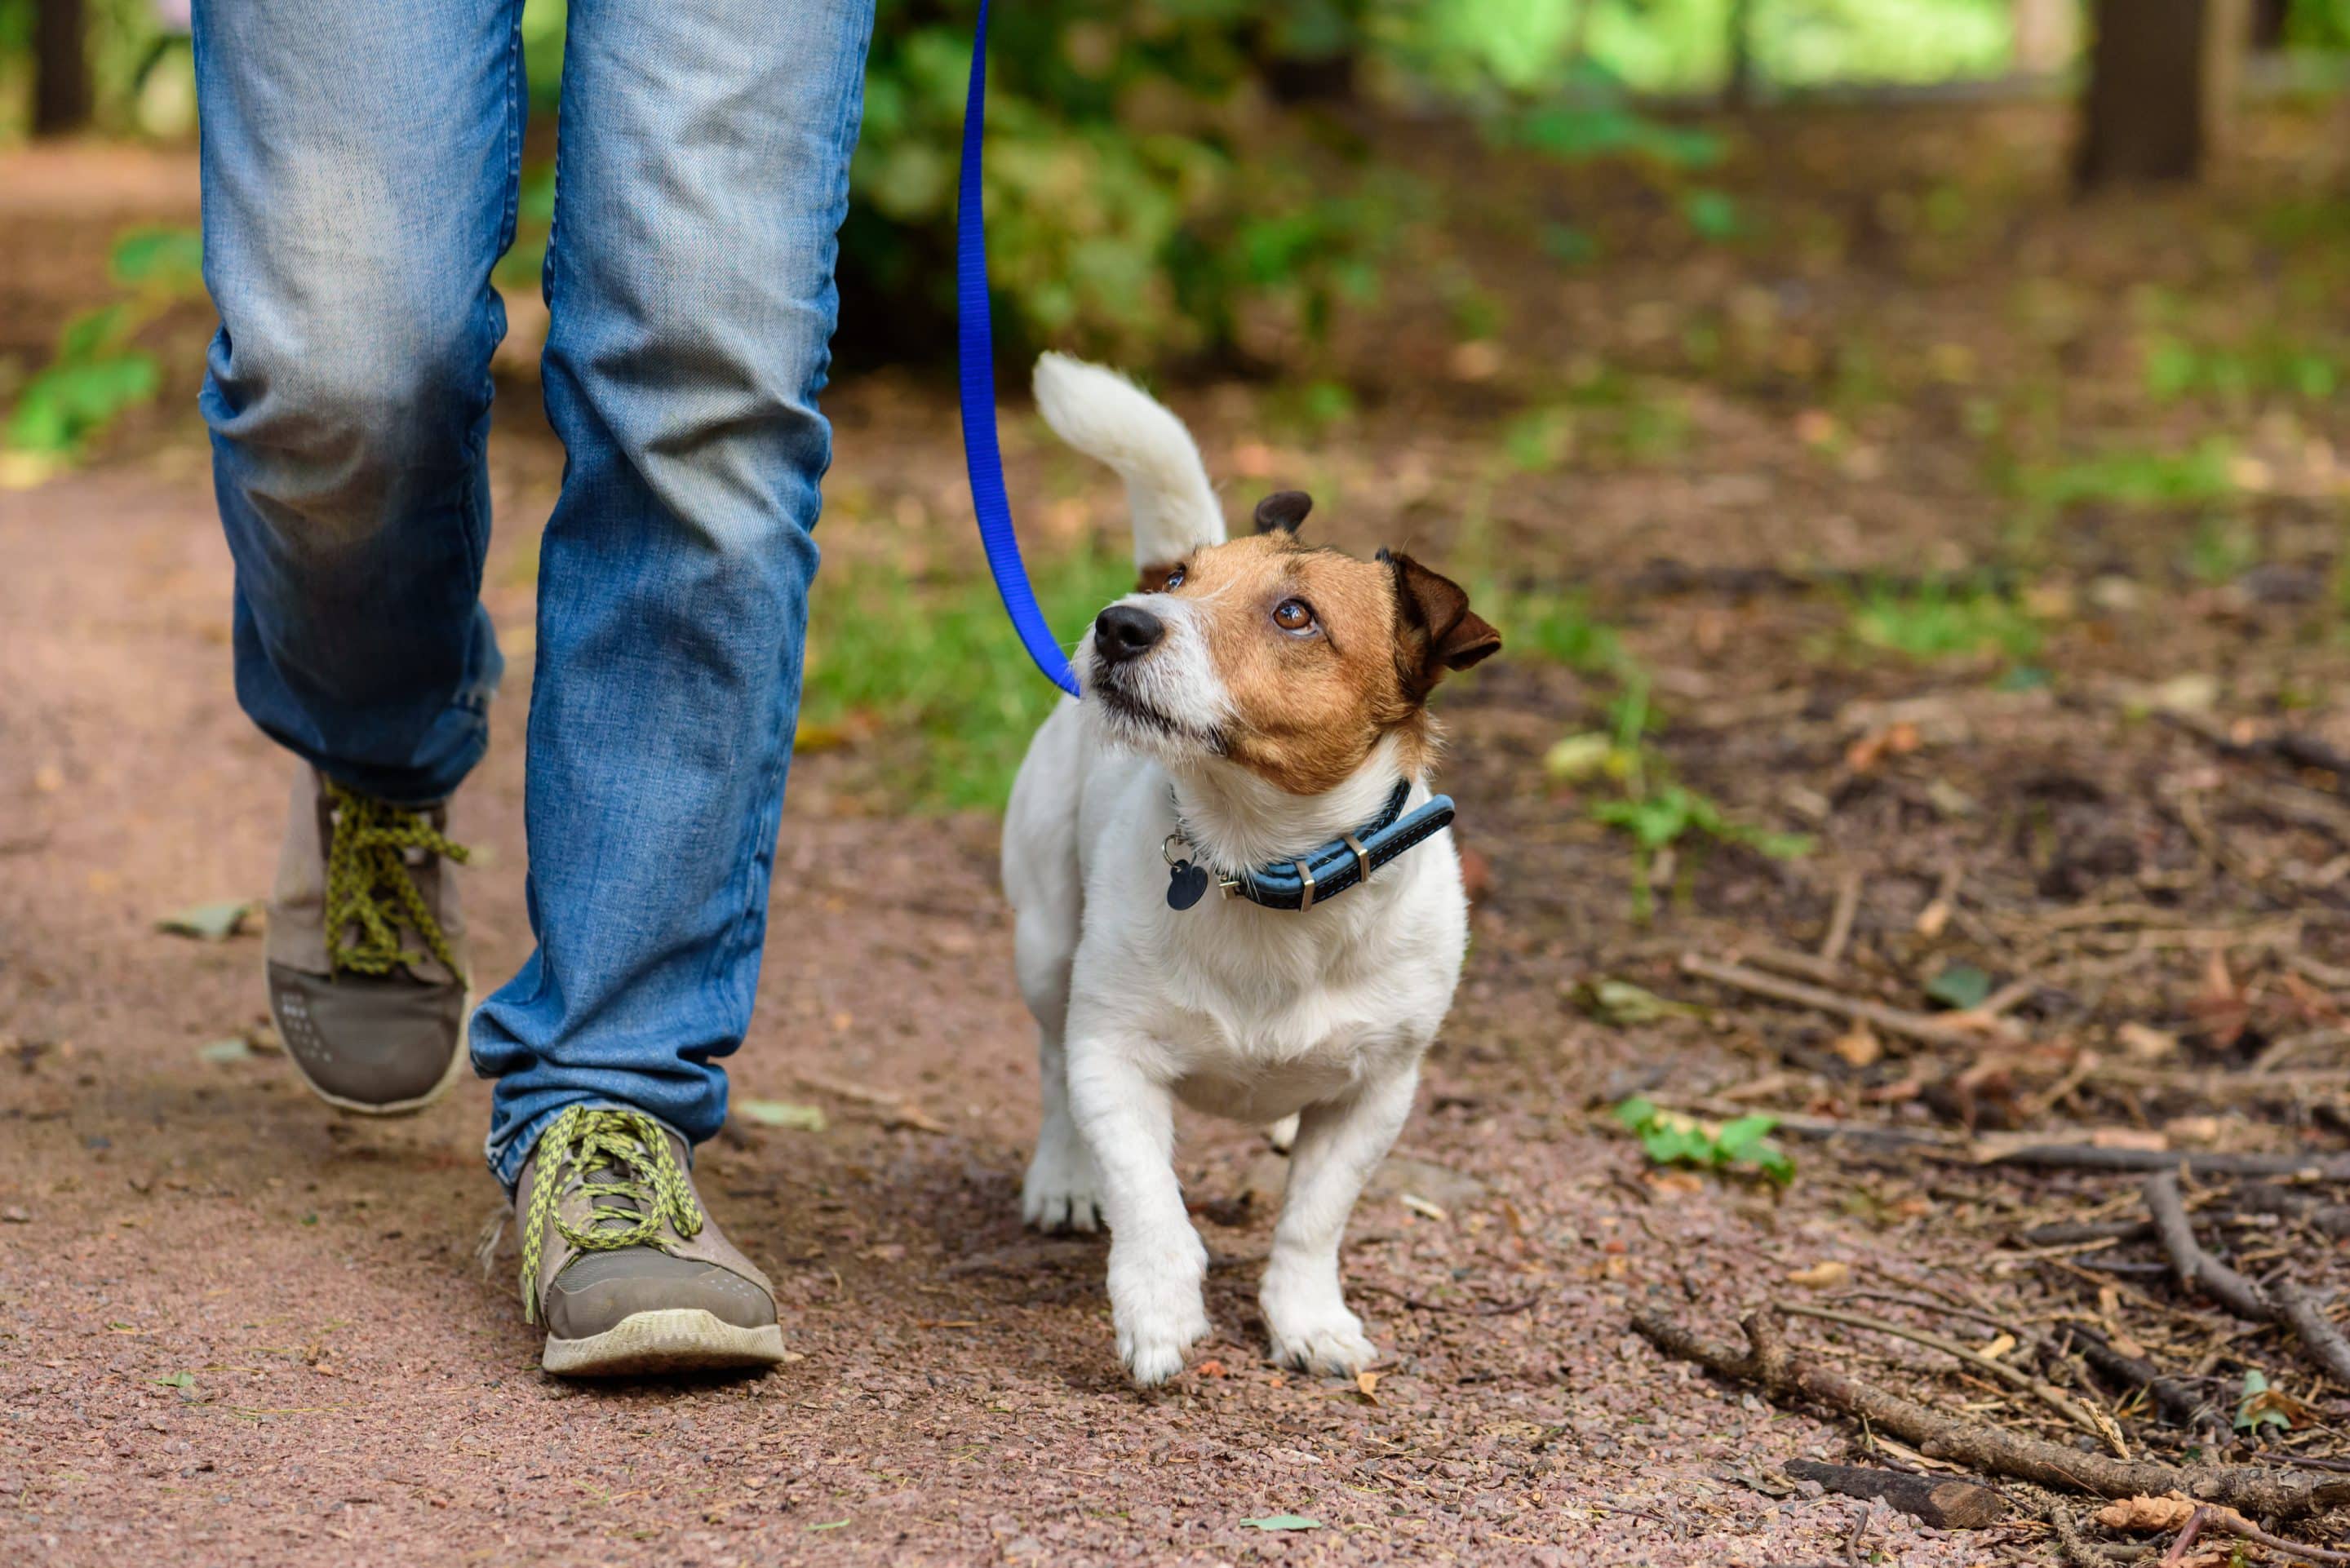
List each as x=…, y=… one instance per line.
x=99, y=373
x=1658, y=813
x=1943, y=620
x=1744, y=1145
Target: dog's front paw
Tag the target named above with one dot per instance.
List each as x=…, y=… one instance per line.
x=1155, y=1301
x=1326, y=1340
x=1062, y=1192
x=1152, y=1343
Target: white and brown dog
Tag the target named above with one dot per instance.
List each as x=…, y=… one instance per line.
x=1255, y=716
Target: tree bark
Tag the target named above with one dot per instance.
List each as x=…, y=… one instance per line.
x=2162, y=76
x=61, y=89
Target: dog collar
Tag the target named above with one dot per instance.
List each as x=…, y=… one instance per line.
x=1320, y=875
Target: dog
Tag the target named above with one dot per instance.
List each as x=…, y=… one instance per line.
x=1232, y=885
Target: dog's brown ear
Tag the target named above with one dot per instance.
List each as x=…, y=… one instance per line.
x=1435, y=629
x=1283, y=511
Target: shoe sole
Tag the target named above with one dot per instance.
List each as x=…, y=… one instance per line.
x=673, y=1339
x=457, y=1058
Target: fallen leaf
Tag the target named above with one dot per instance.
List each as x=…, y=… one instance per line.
x=1821, y=1276
x=1961, y=986
x=1861, y=1048
x=1624, y=1004
x=1367, y=1384
x=1423, y=1208
x=1998, y=1345
x=1211, y=1368
x=1579, y=757
x=783, y=1113
x=214, y=922
x=2144, y=1043
x=2185, y=1131
x=1283, y=1521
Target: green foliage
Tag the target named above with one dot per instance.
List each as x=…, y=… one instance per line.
x=1943, y=620
x=1655, y=811
x=1554, y=626
x=1670, y=1139
x=97, y=371
x=928, y=672
x=2136, y=478
x=2237, y=378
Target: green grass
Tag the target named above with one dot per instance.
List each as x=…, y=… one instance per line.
x=2136, y=478
x=927, y=677
x=1944, y=620
x=1552, y=625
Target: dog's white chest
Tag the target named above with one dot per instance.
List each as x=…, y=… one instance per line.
x=1258, y=1020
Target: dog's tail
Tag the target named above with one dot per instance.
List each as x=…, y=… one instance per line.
x=1109, y=417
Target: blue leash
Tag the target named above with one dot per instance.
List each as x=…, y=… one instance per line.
x=975, y=368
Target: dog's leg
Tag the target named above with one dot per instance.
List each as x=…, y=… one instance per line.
x=1339, y=1146
x=1158, y=1265
x=1061, y=1189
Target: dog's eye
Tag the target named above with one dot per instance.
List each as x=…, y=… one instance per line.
x=1174, y=579
x=1294, y=616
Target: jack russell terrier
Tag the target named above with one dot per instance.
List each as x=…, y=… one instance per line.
x=1233, y=885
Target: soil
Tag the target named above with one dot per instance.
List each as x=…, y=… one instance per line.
x=236, y=1327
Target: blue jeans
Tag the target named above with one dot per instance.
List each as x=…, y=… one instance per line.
x=360, y=163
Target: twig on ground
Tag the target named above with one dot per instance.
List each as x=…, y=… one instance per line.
x=2194, y=1268
x=2097, y=1157
x=2301, y=1313
x=2073, y=1235
x=1482, y=1309
x=1847, y=905
x=1942, y=1501
x=1920, y=1026
x=2015, y=1378
x=2308, y=1207
x=2186, y=1534
x=2285, y=1302
x=2173, y=1400
x=1781, y=1374
x=1785, y=961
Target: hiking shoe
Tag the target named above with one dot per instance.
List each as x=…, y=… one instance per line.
x=367, y=949
x=621, y=1263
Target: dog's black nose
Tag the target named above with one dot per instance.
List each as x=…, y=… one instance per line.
x=1122, y=632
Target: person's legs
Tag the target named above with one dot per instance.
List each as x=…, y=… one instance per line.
x=701, y=175
x=360, y=168
x=360, y=171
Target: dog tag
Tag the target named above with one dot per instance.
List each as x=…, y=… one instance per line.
x=1185, y=884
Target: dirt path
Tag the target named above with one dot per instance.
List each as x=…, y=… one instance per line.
x=237, y=1328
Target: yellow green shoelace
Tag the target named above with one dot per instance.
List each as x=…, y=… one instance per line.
x=614, y=1155
x=370, y=891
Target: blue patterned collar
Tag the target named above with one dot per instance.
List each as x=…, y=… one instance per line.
x=1320, y=875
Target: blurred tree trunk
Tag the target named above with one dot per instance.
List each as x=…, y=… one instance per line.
x=2162, y=78
x=2269, y=19
x=1737, y=92
x=61, y=91
x=2047, y=33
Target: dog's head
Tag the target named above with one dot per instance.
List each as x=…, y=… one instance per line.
x=1268, y=654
